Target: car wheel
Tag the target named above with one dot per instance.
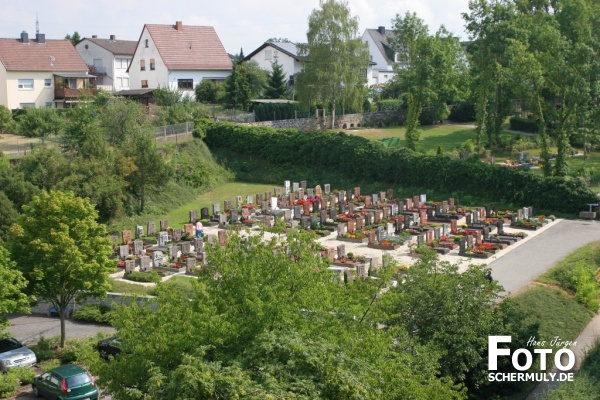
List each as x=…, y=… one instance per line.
x=35, y=391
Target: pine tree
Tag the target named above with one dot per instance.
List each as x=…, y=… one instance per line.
x=276, y=86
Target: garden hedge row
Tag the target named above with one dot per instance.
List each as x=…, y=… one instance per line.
x=366, y=160
x=524, y=125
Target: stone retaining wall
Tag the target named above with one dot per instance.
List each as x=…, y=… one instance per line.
x=347, y=121
x=111, y=299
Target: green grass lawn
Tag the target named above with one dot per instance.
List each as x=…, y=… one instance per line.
x=128, y=288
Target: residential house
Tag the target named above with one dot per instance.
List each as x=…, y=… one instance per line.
x=383, y=57
x=285, y=53
x=41, y=73
x=178, y=57
x=108, y=60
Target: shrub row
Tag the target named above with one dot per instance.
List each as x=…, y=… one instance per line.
x=364, y=160
x=524, y=125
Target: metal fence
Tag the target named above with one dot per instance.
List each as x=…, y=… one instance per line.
x=173, y=132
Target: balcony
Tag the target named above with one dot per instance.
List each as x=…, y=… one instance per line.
x=68, y=93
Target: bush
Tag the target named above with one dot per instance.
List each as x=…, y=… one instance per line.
x=524, y=125
x=427, y=116
x=78, y=350
x=49, y=364
x=9, y=384
x=390, y=105
x=24, y=374
x=98, y=313
x=137, y=276
x=462, y=112
x=584, y=283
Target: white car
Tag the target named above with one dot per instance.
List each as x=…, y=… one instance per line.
x=14, y=354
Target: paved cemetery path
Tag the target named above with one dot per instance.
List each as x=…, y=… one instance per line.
x=519, y=267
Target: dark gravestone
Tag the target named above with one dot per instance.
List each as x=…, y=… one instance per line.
x=401, y=207
x=399, y=225
x=234, y=216
x=297, y=212
x=323, y=216
x=316, y=206
x=421, y=239
x=342, y=208
x=380, y=234
x=463, y=245
x=333, y=213
x=204, y=213
x=469, y=219
x=369, y=219
x=500, y=227
x=390, y=194
x=173, y=253
x=305, y=222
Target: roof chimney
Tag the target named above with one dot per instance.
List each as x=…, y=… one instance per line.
x=94, y=36
x=179, y=25
x=40, y=38
x=24, y=37
x=381, y=30
x=113, y=38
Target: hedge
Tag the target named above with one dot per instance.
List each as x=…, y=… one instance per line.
x=524, y=125
x=462, y=112
x=365, y=160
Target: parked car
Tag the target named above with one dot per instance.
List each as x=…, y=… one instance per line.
x=65, y=382
x=14, y=354
x=109, y=347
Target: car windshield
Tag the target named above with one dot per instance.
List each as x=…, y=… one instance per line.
x=9, y=344
x=78, y=380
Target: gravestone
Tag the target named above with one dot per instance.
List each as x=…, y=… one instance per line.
x=297, y=212
x=318, y=192
x=145, y=264
x=361, y=270
x=386, y=212
x=409, y=204
x=151, y=228
x=451, y=203
x=295, y=186
x=462, y=246
x=138, y=247
x=216, y=209
x=158, y=259
x=357, y=192
x=235, y=217
x=250, y=199
x=488, y=210
x=390, y=194
x=286, y=185
x=421, y=239
x=350, y=224
x=331, y=254
x=333, y=213
x=401, y=207
x=437, y=209
x=306, y=209
x=469, y=219
x=264, y=206
x=360, y=223
x=423, y=198
x=327, y=188
x=453, y=227
x=238, y=202
x=382, y=197
x=530, y=212
x=526, y=213
x=177, y=234
x=514, y=218
x=486, y=231
x=408, y=220
x=211, y=239
x=316, y=206
x=227, y=205
x=322, y=216
x=324, y=203
x=367, y=201
x=380, y=234
x=129, y=266
x=222, y=237
x=377, y=215
x=277, y=192
x=341, y=228
x=369, y=219
x=372, y=237
x=164, y=225
x=374, y=262
x=470, y=241
x=342, y=208
x=193, y=216
x=245, y=213
x=482, y=214
x=437, y=232
x=310, y=193
x=139, y=231
x=305, y=222
x=423, y=216
x=186, y=248
x=429, y=236
x=204, y=214
x=416, y=201
x=429, y=211
x=520, y=214
x=393, y=209
x=375, y=198
x=259, y=198
x=173, y=253
x=190, y=265
x=303, y=185
x=445, y=229
x=126, y=236
x=287, y=215
x=478, y=237
x=500, y=227
x=268, y=220
x=223, y=220
x=198, y=245
x=123, y=251
x=292, y=198
x=341, y=251
x=475, y=217
x=163, y=238
x=390, y=229
x=445, y=207
x=189, y=230
x=341, y=196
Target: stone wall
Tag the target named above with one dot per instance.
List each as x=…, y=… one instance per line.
x=111, y=299
x=347, y=121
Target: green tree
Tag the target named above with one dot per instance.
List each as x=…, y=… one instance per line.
x=238, y=91
x=121, y=116
x=61, y=250
x=8, y=216
x=210, y=91
x=74, y=38
x=84, y=135
x=12, y=289
x=334, y=58
x=40, y=122
x=257, y=78
x=276, y=86
x=7, y=123
x=233, y=336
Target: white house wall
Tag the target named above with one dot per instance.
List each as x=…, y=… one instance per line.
x=157, y=78
x=289, y=64
x=197, y=76
x=39, y=96
x=3, y=87
x=382, y=72
x=110, y=81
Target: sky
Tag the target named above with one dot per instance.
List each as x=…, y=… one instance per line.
x=245, y=24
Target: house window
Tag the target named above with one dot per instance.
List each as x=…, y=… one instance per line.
x=185, y=84
x=125, y=82
x=47, y=82
x=144, y=83
x=142, y=65
x=152, y=64
x=26, y=84
x=26, y=105
x=397, y=57
x=49, y=104
x=122, y=63
x=268, y=54
x=146, y=42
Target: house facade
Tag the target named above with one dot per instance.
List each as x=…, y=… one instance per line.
x=109, y=60
x=41, y=73
x=286, y=55
x=383, y=57
x=178, y=57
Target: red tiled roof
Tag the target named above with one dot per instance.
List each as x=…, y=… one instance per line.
x=192, y=47
x=53, y=55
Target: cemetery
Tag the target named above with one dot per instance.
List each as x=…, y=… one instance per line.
x=357, y=232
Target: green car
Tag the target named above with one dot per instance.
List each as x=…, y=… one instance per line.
x=65, y=382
